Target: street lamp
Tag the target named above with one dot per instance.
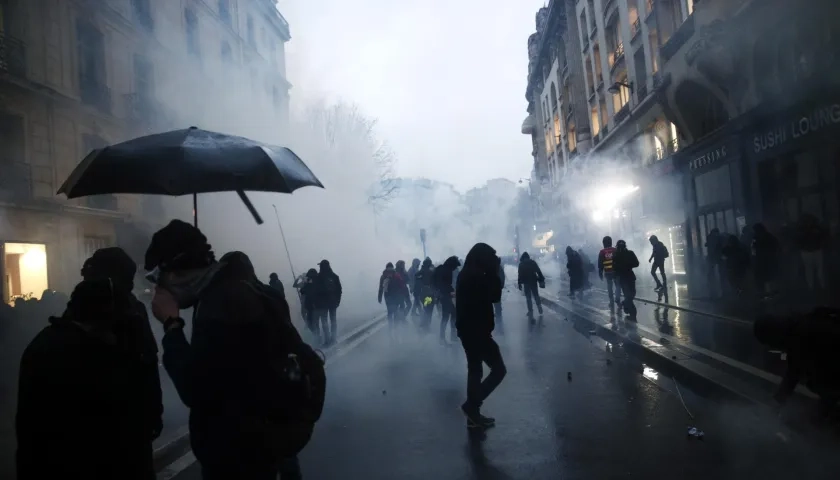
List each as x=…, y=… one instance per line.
x=615, y=88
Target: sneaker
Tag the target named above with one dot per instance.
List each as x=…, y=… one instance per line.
x=476, y=419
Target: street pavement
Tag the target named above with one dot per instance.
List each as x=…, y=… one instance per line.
x=572, y=406
x=729, y=337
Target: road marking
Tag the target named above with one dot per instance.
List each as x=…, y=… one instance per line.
x=721, y=358
x=187, y=460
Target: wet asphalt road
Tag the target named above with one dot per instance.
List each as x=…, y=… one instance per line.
x=732, y=338
x=393, y=412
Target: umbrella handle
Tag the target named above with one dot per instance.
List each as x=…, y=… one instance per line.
x=250, y=206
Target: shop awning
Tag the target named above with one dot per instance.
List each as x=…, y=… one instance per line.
x=528, y=125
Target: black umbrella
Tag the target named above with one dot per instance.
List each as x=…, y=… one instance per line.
x=190, y=161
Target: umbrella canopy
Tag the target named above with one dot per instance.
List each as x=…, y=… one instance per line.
x=189, y=161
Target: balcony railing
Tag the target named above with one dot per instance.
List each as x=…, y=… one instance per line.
x=617, y=55
x=12, y=55
x=593, y=32
x=623, y=113
x=636, y=28
x=642, y=91
x=15, y=180
x=96, y=93
x=585, y=45
x=570, y=113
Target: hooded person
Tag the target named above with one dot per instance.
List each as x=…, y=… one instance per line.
x=275, y=283
x=624, y=261
x=445, y=293
x=226, y=374
x=530, y=278
x=809, y=341
x=84, y=407
x=330, y=291
x=574, y=267
x=404, y=289
x=658, y=255
x=390, y=290
x=424, y=287
x=478, y=288
x=412, y=273
x=307, y=286
x=607, y=272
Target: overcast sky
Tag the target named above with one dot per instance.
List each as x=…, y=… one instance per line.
x=446, y=79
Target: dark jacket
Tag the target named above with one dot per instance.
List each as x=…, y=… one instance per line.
x=329, y=288
x=309, y=290
x=442, y=279
x=392, y=285
x=86, y=406
x=529, y=271
x=624, y=261
x=423, y=284
x=276, y=284
x=659, y=252
x=219, y=374
x=478, y=288
x=574, y=265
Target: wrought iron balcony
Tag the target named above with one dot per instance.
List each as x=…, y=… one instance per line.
x=636, y=28
x=623, y=113
x=15, y=180
x=96, y=93
x=617, y=55
x=12, y=55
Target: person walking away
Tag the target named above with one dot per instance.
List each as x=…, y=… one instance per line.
x=404, y=291
x=253, y=387
x=388, y=291
x=416, y=307
x=424, y=286
x=606, y=271
x=478, y=288
x=445, y=293
x=82, y=412
x=658, y=256
x=737, y=261
x=300, y=281
x=497, y=307
x=307, y=286
x=275, y=283
x=574, y=267
x=530, y=278
x=714, y=244
x=766, y=251
x=330, y=288
x=624, y=261
x=810, y=342
x=812, y=239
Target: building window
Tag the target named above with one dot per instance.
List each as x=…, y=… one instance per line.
x=596, y=123
x=24, y=271
x=557, y=128
x=91, y=51
x=252, y=40
x=191, y=23
x=143, y=76
x=621, y=98
x=571, y=137
x=224, y=12
x=227, y=55
x=143, y=13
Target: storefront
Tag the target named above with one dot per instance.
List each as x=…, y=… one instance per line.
x=793, y=159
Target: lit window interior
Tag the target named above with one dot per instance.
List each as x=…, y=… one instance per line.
x=25, y=271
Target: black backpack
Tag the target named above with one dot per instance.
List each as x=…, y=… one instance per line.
x=296, y=399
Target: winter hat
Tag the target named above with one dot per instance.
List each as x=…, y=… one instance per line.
x=113, y=263
x=178, y=245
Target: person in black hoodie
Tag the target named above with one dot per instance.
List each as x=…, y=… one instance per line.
x=477, y=289
x=574, y=266
x=412, y=273
x=226, y=373
x=84, y=408
x=392, y=289
x=531, y=278
x=275, y=283
x=308, y=288
x=624, y=261
x=658, y=256
x=424, y=287
x=445, y=293
x=330, y=289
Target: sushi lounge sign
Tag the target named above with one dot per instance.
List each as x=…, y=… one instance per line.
x=821, y=118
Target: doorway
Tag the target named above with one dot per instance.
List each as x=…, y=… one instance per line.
x=24, y=271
